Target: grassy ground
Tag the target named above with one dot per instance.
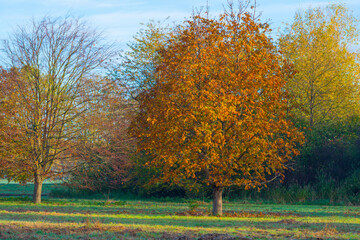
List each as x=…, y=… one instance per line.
x=95, y=219
x=27, y=189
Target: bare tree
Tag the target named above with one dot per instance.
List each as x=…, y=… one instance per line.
x=55, y=58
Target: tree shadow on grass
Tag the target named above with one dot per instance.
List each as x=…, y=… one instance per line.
x=175, y=221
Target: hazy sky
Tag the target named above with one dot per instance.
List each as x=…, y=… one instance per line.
x=120, y=19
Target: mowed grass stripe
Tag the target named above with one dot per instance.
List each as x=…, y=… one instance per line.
x=158, y=220
x=245, y=231
x=178, y=220
x=156, y=207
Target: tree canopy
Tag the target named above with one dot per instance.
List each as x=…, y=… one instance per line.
x=53, y=59
x=217, y=111
x=319, y=43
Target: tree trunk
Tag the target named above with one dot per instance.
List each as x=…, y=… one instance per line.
x=38, y=182
x=217, y=201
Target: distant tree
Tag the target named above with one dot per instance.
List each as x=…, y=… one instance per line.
x=105, y=147
x=136, y=71
x=321, y=45
x=216, y=112
x=55, y=57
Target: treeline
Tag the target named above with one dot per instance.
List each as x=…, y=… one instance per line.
x=189, y=110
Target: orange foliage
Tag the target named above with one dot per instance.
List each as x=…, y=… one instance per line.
x=218, y=111
x=13, y=144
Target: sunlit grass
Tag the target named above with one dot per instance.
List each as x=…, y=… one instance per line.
x=73, y=219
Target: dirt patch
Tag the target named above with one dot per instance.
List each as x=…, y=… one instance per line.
x=201, y=213
x=210, y=236
x=61, y=230
x=216, y=236
x=183, y=237
x=249, y=214
x=327, y=232
x=289, y=221
x=237, y=214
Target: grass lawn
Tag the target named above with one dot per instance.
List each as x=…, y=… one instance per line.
x=25, y=190
x=96, y=219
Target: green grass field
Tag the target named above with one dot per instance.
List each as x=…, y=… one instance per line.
x=25, y=190
x=96, y=219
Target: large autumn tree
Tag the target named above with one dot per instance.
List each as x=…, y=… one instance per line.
x=217, y=110
x=53, y=60
x=321, y=44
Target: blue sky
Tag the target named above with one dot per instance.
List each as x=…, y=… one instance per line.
x=120, y=19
